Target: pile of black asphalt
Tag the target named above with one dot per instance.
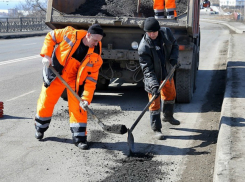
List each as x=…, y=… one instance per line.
x=117, y=8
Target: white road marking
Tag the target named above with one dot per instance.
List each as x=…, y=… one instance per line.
x=19, y=60
x=21, y=95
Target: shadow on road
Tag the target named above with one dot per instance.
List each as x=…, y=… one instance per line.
x=232, y=121
x=146, y=147
x=5, y=117
x=56, y=139
x=207, y=137
x=139, y=147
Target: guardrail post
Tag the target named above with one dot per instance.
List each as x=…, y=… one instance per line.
x=7, y=25
x=21, y=24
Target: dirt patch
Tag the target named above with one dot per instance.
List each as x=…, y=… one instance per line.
x=117, y=8
x=199, y=167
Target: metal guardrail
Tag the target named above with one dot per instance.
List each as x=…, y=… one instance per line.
x=22, y=24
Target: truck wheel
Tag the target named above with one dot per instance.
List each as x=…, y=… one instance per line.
x=185, y=82
x=64, y=95
x=102, y=83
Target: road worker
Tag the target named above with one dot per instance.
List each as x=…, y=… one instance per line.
x=158, y=53
x=76, y=56
x=170, y=7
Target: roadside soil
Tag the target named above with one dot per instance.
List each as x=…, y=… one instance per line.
x=122, y=8
x=199, y=167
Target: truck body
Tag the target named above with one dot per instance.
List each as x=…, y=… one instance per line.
x=123, y=33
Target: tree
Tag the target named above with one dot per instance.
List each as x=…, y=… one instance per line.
x=35, y=8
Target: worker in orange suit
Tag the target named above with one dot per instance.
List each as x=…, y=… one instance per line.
x=170, y=6
x=158, y=53
x=76, y=56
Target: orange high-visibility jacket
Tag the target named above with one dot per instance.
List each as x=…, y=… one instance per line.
x=60, y=44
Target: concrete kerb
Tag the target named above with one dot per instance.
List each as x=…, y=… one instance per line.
x=229, y=161
x=22, y=34
x=223, y=153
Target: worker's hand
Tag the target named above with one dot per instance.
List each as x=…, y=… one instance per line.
x=155, y=91
x=46, y=61
x=174, y=62
x=83, y=104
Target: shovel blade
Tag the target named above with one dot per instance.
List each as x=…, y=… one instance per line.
x=130, y=141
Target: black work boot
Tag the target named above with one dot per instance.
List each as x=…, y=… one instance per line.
x=159, y=14
x=39, y=135
x=159, y=135
x=41, y=126
x=156, y=124
x=170, y=15
x=168, y=111
x=83, y=145
x=80, y=141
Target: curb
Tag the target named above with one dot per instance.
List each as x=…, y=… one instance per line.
x=223, y=153
x=22, y=34
x=239, y=31
x=229, y=159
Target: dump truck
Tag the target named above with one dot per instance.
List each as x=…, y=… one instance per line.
x=124, y=33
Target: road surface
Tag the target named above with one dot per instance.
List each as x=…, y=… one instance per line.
x=187, y=154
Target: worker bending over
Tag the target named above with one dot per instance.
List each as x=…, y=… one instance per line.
x=158, y=53
x=170, y=6
x=76, y=56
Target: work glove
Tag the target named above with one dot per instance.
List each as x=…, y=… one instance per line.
x=155, y=91
x=83, y=104
x=174, y=62
x=46, y=61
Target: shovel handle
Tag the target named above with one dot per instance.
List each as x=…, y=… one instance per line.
x=138, y=6
x=152, y=99
x=75, y=94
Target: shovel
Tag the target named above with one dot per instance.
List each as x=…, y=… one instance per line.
x=117, y=129
x=138, y=14
x=130, y=138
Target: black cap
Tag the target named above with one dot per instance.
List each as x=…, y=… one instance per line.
x=151, y=25
x=96, y=29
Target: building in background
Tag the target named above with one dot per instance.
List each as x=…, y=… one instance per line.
x=232, y=3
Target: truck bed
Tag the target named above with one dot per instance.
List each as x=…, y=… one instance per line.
x=57, y=19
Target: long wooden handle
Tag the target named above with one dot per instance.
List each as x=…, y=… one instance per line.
x=138, y=6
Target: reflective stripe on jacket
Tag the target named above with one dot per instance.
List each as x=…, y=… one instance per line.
x=60, y=44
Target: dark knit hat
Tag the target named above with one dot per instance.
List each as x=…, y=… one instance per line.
x=96, y=29
x=151, y=25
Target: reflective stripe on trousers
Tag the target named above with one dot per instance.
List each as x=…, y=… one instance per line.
x=158, y=6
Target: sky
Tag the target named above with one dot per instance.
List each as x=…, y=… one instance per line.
x=9, y=4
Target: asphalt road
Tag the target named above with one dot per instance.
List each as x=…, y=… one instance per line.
x=187, y=154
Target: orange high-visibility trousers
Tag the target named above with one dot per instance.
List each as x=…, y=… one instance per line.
x=158, y=6
x=168, y=93
x=50, y=95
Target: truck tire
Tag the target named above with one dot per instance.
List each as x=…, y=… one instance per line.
x=185, y=81
x=102, y=83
